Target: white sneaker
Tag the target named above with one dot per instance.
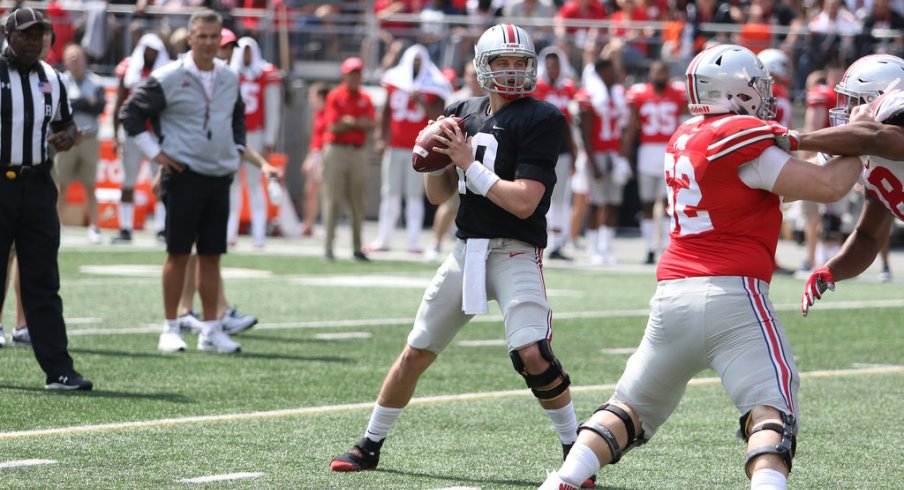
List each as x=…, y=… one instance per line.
x=432, y=254
x=235, y=322
x=171, y=341
x=190, y=322
x=94, y=237
x=20, y=337
x=553, y=482
x=2, y=338
x=217, y=341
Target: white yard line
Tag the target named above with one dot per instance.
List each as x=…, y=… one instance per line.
x=26, y=462
x=292, y=412
x=386, y=322
x=225, y=477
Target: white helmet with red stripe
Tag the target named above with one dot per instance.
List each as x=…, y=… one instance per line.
x=776, y=61
x=729, y=79
x=864, y=81
x=506, y=40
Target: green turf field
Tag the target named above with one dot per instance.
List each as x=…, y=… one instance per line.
x=301, y=390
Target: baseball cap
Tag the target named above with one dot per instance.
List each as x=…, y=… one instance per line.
x=24, y=18
x=227, y=37
x=352, y=64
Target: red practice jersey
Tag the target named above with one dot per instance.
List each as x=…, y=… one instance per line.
x=821, y=96
x=318, y=129
x=720, y=226
x=782, y=105
x=659, y=112
x=607, y=126
x=558, y=95
x=253, y=91
x=408, y=118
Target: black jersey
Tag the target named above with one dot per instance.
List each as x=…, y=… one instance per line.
x=521, y=141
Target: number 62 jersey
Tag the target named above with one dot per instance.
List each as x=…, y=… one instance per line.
x=720, y=226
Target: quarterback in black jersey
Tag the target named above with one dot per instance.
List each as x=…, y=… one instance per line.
x=504, y=170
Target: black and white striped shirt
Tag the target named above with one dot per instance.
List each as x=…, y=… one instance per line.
x=29, y=102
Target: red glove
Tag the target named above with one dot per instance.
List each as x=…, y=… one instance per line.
x=819, y=281
x=786, y=139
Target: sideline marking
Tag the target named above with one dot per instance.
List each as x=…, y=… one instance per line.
x=141, y=270
x=26, y=462
x=343, y=335
x=289, y=412
x=224, y=477
x=387, y=322
x=482, y=343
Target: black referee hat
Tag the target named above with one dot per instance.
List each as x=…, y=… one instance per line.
x=24, y=18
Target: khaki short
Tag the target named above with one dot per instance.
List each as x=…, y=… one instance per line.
x=514, y=279
x=724, y=323
x=79, y=163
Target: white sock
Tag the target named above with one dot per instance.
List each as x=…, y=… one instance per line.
x=768, y=479
x=160, y=216
x=171, y=325
x=126, y=215
x=580, y=465
x=646, y=230
x=565, y=422
x=381, y=421
x=414, y=220
x=607, y=234
x=390, y=208
x=593, y=240
x=210, y=326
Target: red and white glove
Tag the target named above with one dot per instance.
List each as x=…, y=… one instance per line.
x=786, y=139
x=819, y=281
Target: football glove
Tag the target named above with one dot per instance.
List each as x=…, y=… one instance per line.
x=819, y=281
x=786, y=139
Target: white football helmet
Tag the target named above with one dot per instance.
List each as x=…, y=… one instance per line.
x=729, y=79
x=864, y=81
x=506, y=40
x=776, y=61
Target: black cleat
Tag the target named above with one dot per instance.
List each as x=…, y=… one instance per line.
x=124, y=237
x=363, y=456
x=360, y=257
x=558, y=255
x=651, y=258
x=69, y=382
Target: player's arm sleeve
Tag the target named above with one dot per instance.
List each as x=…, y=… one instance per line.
x=541, y=143
x=238, y=122
x=146, y=102
x=762, y=172
x=272, y=106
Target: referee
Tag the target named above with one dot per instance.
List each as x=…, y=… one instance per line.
x=34, y=111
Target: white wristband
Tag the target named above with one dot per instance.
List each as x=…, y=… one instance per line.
x=480, y=178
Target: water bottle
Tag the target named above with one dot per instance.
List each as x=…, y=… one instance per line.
x=274, y=189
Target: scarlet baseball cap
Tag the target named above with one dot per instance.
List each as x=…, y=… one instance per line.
x=352, y=64
x=24, y=18
x=227, y=37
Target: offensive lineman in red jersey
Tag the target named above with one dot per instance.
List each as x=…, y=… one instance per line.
x=656, y=107
x=711, y=308
x=556, y=86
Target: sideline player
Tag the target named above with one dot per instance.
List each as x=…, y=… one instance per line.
x=501, y=234
x=656, y=107
x=881, y=136
x=711, y=308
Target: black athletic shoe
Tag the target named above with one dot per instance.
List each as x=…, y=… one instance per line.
x=651, y=258
x=363, y=456
x=124, y=237
x=69, y=382
x=360, y=257
x=558, y=255
x=588, y=483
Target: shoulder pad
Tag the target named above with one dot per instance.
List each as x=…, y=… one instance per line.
x=741, y=137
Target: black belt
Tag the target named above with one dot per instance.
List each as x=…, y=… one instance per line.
x=12, y=172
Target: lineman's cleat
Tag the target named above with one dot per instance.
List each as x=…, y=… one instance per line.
x=363, y=456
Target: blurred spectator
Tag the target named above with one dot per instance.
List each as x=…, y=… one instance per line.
x=882, y=16
x=62, y=30
x=312, y=168
x=630, y=11
x=178, y=42
x=832, y=32
x=541, y=10
x=434, y=31
x=576, y=10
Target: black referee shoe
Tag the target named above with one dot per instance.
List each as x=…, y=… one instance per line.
x=124, y=236
x=69, y=382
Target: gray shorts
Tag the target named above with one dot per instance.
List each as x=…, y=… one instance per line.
x=608, y=190
x=560, y=193
x=514, y=279
x=398, y=177
x=724, y=323
x=130, y=157
x=651, y=188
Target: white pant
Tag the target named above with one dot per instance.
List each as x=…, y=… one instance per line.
x=258, y=203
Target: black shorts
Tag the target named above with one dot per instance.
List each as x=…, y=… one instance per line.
x=197, y=211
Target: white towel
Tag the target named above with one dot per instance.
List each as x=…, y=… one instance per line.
x=474, y=283
x=429, y=79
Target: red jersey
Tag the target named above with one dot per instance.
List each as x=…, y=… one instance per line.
x=782, y=105
x=318, y=130
x=343, y=102
x=608, y=125
x=572, y=10
x=637, y=15
x=720, y=226
x=558, y=95
x=407, y=117
x=253, y=91
x=821, y=96
x=659, y=113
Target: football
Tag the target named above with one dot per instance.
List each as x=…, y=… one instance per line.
x=423, y=158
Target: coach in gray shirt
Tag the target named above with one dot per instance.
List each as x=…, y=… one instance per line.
x=197, y=111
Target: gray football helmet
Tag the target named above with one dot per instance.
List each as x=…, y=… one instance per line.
x=864, y=81
x=506, y=40
x=729, y=79
x=776, y=61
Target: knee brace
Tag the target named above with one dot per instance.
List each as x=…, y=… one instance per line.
x=609, y=437
x=553, y=373
x=786, y=448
